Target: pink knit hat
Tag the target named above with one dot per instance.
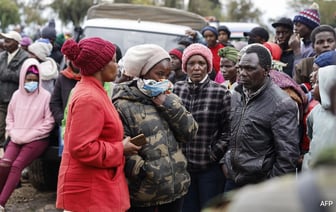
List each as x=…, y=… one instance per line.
x=196, y=49
x=90, y=55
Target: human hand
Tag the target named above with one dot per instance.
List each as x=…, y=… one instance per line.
x=190, y=33
x=294, y=43
x=159, y=100
x=129, y=148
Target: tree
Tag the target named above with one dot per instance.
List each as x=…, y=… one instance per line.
x=31, y=10
x=71, y=10
x=205, y=7
x=242, y=11
x=9, y=13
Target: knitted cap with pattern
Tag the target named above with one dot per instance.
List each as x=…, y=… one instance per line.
x=90, y=55
x=196, y=49
x=309, y=17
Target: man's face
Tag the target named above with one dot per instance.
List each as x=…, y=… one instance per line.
x=10, y=45
x=176, y=63
x=223, y=36
x=252, y=75
x=324, y=41
x=282, y=35
x=301, y=29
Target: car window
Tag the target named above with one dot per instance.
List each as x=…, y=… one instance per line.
x=128, y=38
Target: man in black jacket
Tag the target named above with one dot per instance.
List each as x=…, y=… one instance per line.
x=10, y=64
x=264, y=129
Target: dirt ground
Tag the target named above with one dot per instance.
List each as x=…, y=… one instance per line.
x=28, y=199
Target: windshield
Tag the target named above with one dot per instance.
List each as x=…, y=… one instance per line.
x=127, y=38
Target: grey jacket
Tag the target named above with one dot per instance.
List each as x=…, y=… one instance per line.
x=264, y=135
x=9, y=74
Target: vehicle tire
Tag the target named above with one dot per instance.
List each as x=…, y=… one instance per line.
x=43, y=174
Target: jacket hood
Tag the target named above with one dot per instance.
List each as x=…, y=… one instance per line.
x=129, y=91
x=27, y=63
x=327, y=77
x=49, y=69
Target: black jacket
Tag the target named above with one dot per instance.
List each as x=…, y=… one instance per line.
x=9, y=74
x=264, y=135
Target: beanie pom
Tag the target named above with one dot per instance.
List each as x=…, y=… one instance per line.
x=70, y=49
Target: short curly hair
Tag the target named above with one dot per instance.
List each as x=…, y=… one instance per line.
x=265, y=57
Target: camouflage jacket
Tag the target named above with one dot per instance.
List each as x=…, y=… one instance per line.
x=158, y=173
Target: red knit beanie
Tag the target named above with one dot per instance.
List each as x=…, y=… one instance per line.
x=90, y=55
x=196, y=49
x=177, y=52
x=275, y=50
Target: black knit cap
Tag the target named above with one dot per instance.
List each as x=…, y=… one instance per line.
x=285, y=22
x=225, y=29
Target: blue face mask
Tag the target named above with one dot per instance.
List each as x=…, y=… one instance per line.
x=154, y=88
x=31, y=86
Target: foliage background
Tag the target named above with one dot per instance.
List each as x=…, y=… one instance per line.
x=72, y=12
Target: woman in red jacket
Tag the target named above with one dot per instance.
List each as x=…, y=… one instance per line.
x=91, y=176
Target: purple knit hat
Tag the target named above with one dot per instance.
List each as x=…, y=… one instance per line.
x=196, y=49
x=90, y=55
x=309, y=17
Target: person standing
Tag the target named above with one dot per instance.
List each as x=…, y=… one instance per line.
x=228, y=70
x=11, y=61
x=210, y=34
x=264, y=139
x=283, y=32
x=157, y=175
x=92, y=165
x=41, y=50
x=176, y=73
x=49, y=32
x=209, y=103
x=28, y=124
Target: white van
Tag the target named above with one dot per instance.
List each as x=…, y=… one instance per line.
x=127, y=25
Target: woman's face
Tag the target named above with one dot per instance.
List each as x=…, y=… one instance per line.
x=110, y=71
x=159, y=71
x=197, y=68
x=228, y=69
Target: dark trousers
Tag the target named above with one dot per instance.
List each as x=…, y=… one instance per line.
x=205, y=185
x=175, y=206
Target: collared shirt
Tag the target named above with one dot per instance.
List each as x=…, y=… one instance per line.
x=11, y=55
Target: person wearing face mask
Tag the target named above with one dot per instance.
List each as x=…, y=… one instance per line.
x=157, y=175
x=28, y=124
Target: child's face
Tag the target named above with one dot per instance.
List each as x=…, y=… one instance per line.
x=31, y=77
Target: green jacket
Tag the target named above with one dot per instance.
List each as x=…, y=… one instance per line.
x=158, y=173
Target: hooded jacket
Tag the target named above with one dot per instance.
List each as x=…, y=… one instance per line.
x=29, y=117
x=321, y=124
x=158, y=173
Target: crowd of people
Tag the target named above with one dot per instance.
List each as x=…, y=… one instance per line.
x=220, y=124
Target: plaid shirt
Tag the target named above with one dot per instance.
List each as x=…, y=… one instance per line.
x=209, y=103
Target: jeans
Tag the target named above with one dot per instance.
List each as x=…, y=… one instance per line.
x=205, y=185
x=16, y=158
